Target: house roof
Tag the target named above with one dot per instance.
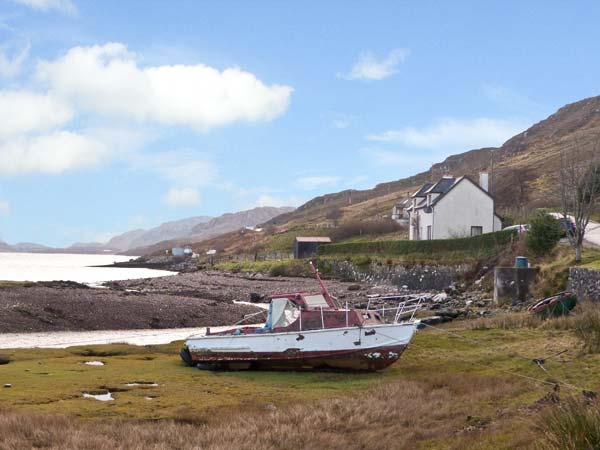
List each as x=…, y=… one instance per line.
x=445, y=185
x=442, y=186
x=322, y=239
x=422, y=190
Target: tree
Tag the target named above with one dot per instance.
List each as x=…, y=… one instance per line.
x=579, y=188
x=544, y=233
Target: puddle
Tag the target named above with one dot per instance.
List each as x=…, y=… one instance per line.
x=142, y=383
x=102, y=397
x=94, y=363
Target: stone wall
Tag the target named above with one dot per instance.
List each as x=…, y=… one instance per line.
x=418, y=277
x=585, y=282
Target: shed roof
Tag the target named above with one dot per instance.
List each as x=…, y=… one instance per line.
x=313, y=239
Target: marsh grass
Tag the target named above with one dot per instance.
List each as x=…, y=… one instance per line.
x=395, y=415
x=571, y=425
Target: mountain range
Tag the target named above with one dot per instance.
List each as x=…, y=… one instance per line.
x=189, y=229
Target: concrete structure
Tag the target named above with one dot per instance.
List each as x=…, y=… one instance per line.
x=511, y=284
x=306, y=246
x=452, y=208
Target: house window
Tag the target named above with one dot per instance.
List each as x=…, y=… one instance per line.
x=429, y=233
x=476, y=231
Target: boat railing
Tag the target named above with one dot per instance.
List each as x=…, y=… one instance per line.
x=405, y=309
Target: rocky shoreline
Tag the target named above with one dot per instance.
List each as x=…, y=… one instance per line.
x=196, y=299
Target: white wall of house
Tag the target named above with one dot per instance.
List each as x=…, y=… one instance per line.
x=463, y=207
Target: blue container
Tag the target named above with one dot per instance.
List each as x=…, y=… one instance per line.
x=521, y=262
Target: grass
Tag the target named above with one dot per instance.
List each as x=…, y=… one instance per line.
x=4, y=284
x=572, y=425
x=447, y=392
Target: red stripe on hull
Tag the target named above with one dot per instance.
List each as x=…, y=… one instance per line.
x=364, y=359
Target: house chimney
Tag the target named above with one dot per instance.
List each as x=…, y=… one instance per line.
x=484, y=181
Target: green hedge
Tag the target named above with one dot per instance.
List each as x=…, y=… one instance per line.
x=485, y=244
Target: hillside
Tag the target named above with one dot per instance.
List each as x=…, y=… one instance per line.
x=523, y=168
x=214, y=227
x=166, y=231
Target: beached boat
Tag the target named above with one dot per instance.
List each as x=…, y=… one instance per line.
x=557, y=305
x=309, y=331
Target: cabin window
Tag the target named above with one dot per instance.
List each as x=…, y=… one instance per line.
x=282, y=313
x=476, y=231
x=315, y=301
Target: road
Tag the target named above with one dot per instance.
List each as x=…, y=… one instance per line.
x=592, y=233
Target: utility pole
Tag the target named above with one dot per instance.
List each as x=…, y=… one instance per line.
x=491, y=187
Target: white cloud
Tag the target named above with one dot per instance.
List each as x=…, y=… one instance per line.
x=4, y=208
x=12, y=57
x=313, y=182
x=453, y=134
x=24, y=111
x=182, y=197
x=368, y=67
x=107, y=80
x=185, y=167
x=63, y=6
x=55, y=152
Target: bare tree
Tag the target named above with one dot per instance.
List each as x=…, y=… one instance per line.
x=579, y=188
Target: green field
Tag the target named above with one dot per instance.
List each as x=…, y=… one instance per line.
x=471, y=375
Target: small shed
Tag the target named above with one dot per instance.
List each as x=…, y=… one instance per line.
x=306, y=246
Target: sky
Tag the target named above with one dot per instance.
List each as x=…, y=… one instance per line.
x=117, y=115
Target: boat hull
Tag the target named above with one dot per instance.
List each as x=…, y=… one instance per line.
x=351, y=348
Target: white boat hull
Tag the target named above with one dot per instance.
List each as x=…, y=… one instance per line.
x=366, y=348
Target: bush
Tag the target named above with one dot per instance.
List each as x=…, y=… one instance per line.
x=544, y=233
x=485, y=244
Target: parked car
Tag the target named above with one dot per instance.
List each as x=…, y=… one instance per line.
x=567, y=223
x=521, y=228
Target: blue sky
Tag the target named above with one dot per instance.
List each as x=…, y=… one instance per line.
x=116, y=115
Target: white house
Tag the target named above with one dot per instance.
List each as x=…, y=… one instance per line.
x=400, y=212
x=451, y=208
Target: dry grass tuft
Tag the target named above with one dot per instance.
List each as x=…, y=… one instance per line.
x=572, y=425
x=391, y=415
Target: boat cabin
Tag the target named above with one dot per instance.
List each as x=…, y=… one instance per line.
x=301, y=312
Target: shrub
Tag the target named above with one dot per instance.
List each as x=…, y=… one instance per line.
x=485, y=244
x=4, y=359
x=571, y=425
x=544, y=233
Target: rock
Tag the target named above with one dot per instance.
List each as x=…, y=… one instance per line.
x=432, y=320
x=437, y=298
x=8, y=385
x=469, y=302
x=354, y=287
x=448, y=313
x=256, y=298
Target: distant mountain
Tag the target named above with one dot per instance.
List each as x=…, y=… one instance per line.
x=166, y=231
x=233, y=221
x=214, y=227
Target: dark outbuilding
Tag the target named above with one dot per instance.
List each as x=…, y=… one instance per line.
x=306, y=246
